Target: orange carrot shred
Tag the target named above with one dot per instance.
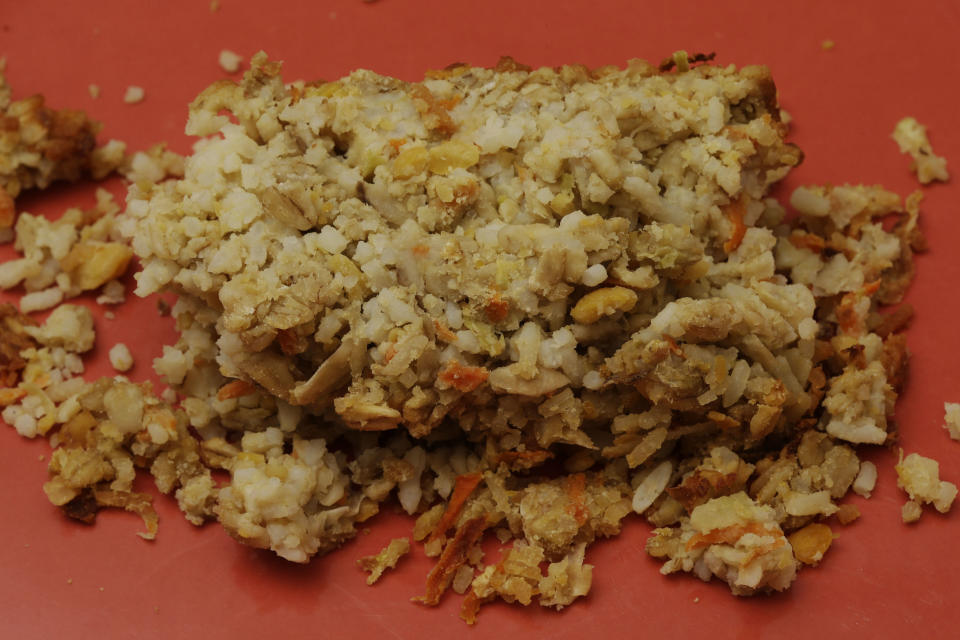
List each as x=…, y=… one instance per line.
x=463, y=378
x=463, y=487
x=453, y=557
x=235, y=389
x=735, y=212
x=575, y=486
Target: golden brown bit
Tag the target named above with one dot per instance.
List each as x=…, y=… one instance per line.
x=847, y=513
x=603, y=302
x=435, y=113
x=735, y=211
x=497, y=309
x=386, y=559
x=92, y=264
x=811, y=543
x=13, y=340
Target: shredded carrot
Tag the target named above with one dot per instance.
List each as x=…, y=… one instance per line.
x=497, y=308
x=810, y=241
x=674, y=347
x=287, y=339
x=443, y=332
x=470, y=607
x=574, y=487
x=396, y=143
x=727, y=535
x=463, y=378
x=462, y=489
x=735, y=212
x=389, y=353
x=871, y=288
x=453, y=557
x=235, y=389
x=420, y=250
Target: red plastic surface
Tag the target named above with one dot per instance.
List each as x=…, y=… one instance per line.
x=882, y=578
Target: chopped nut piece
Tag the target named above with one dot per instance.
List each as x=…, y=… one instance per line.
x=120, y=357
x=810, y=543
x=920, y=478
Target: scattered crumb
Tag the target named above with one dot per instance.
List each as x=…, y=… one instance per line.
x=866, y=480
x=163, y=307
x=951, y=419
x=94, y=91
x=109, y=315
x=386, y=559
x=911, y=137
x=847, y=513
x=41, y=457
x=214, y=6
x=696, y=600
x=69, y=580
x=230, y=61
x=101, y=588
x=157, y=609
x=169, y=396
x=120, y=357
x=911, y=512
x=919, y=476
x=134, y=94
x=810, y=543
x=826, y=45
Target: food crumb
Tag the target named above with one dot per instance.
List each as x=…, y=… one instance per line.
x=696, y=600
x=911, y=137
x=230, y=61
x=69, y=580
x=109, y=315
x=41, y=457
x=911, y=511
x=134, y=94
x=156, y=609
x=826, y=45
x=120, y=357
x=919, y=476
x=101, y=588
x=214, y=6
x=386, y=559
x=94, y=91
x=951, y=419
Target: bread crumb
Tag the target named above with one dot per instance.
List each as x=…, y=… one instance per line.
x=94, y=91
x=134, y=94
x=826, y=45
x=69, y=580
x=230, y=61
x=911, y=511
x=919, y=476
x=911, y=137
x=386, y=559
x=109, y=315
x=120, y=357
x=214, y=6
x=951, y=419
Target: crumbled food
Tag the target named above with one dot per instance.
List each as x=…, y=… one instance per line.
x=911, y=137
x=446, y=292
x=94, y=91
x=134, y=94
x=827, y=45
x=951, y=419
x=230, y=61
x=386, y=559
x=920, y=478
x=40, y=145
x=120, y=357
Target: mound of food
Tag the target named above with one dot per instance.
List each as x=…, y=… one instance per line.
x=526, y=303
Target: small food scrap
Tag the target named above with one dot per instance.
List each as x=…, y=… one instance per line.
x=120, y=357
x=214, y=6
x=920, y=478
x=827, y=45
x=230, y=61
x=866, y=479
x=94, y=91
x=134, y=94
x=810, y=543
x=911, y=137
x=386, y=559
x=911, y=511
x=951, y=419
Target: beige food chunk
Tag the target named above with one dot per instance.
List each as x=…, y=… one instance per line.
x=120, y=357
x=920, y=478
x=951, y=419
x=911, y=137
x=134, y=94
x=229, y=60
